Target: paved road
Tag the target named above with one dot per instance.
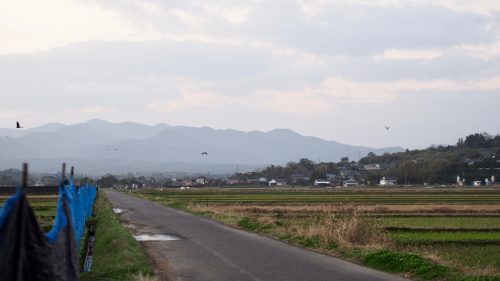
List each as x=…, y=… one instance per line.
x=210, y=250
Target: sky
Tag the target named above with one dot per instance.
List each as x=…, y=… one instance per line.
x=338, y=70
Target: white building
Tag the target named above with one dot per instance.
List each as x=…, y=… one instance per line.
x=351, y=183
x=323, y=183
x=388, y=181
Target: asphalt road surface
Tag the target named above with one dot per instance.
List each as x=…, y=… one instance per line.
x=208, y=250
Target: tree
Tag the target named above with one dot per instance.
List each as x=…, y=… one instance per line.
x=107, y=180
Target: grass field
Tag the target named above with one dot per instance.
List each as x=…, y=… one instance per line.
x=457, y=231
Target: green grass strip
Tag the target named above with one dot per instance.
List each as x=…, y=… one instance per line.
x=400, y=262
x=117, y=255
x=418, y=267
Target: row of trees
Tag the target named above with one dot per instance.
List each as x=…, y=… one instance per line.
x=473, y=158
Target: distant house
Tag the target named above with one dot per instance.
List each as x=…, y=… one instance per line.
x=322, y=183
x=371, y=167
x=347, y=173
x=277, y=182
x=187, y=182
x=388, y=181
x=351, y=183
x=200, y=181
x=232, y=181
x=263, y=181
x=299, y=179
x=253, y=181
x=331, y=176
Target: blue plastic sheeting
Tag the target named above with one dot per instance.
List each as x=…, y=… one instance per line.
x=80, y=202
x=61, y=220
x=7, y=208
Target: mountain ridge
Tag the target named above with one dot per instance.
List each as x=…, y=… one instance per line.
x=128, y=142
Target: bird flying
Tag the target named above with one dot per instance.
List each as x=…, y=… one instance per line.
x=18, y=126
x=204, y=153
x=387, y=127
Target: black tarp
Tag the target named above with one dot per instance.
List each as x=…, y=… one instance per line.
x=25, y=253
x=64, y=251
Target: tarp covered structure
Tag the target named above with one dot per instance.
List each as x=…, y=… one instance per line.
x=26, y=253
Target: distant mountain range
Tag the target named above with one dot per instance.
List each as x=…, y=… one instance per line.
x=98, y=147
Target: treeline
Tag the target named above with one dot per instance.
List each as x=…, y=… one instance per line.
x=474, y=158
x=303, y=172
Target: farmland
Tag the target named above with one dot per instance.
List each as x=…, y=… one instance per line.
x=454, y=229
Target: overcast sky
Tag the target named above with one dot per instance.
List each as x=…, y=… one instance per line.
x=336, y=69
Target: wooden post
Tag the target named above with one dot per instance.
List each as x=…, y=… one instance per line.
x=24, y=180
x=63, y=172
x=20, y=225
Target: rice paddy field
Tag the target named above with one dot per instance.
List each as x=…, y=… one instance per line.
x=455, y=228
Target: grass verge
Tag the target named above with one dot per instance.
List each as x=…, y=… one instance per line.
x=117, y=255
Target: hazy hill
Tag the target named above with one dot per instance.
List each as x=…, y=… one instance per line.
x=126, y=147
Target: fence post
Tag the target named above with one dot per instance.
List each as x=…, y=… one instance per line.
x=24, y=179
x=22, y=254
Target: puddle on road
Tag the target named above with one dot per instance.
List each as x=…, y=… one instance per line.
x=156, y=237
x=117, y=210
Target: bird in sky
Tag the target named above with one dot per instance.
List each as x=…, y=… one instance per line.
x=387, y=127
x=18, y=126
x=204, y=153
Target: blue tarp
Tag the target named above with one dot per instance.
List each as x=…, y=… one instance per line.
x=80, y=201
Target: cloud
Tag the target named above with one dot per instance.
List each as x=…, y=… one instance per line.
x=148, y=7
x=231, y=13
x=189, y=18
x=190, y=98
x=484, y=51
x=477, y=6
x=95, y=109
x=28, y=26
x=409, y=54
x=296, y=102
x=336, y=90
x=373, y=92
